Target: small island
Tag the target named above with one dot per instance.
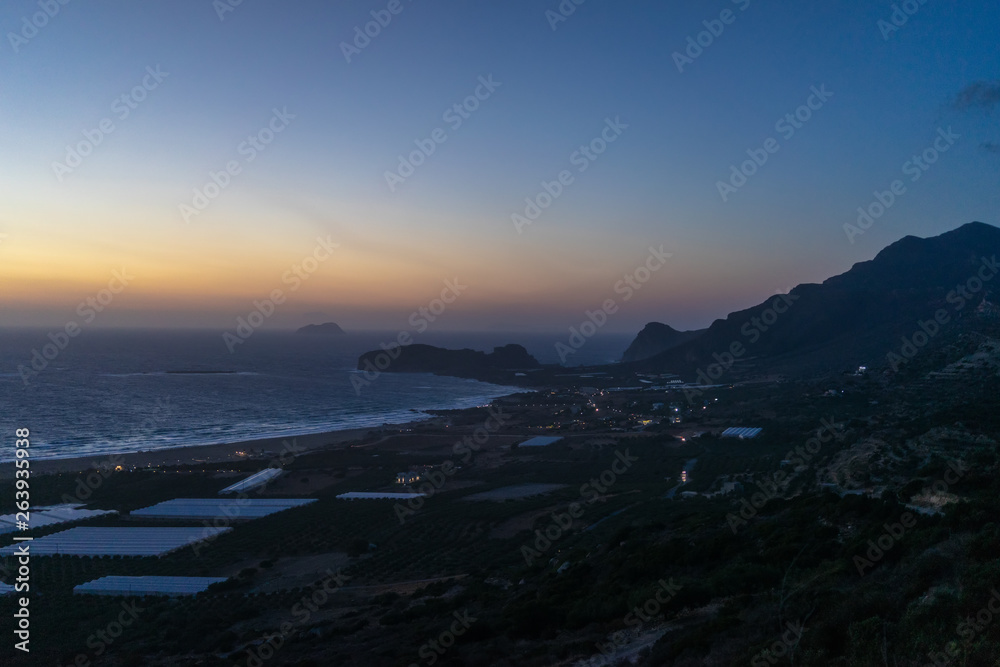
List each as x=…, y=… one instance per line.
x=325, y=329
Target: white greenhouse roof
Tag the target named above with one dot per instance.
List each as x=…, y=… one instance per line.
x=86, y=541
x=374, y=495
x=253, y=481
x=49, y=516
x=541, y=441
x=741, y=432
x=119, y=585
x=231, y=509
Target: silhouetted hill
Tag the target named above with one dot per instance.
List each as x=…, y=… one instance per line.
x=656, y=338
x=855, y=318
x=325, y=329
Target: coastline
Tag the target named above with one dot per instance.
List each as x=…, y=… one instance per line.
x=262, y=450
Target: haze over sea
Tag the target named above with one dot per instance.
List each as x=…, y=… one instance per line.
x=125, y=391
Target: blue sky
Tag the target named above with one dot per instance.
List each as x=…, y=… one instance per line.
x=325, y=173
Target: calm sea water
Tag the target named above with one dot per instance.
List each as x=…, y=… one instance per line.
x=122, y=391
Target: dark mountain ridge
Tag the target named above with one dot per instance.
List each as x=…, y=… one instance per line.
x=655, y=338
x=855, y=318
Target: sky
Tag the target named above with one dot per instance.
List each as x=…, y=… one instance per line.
x=347, y=184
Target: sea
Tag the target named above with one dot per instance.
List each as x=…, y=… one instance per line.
x=118, y=391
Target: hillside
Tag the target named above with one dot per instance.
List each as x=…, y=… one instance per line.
x=855, y=318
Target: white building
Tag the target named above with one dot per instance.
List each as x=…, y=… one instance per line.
x=407, y=477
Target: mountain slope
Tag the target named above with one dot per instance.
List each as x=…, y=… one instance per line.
x=656, y=338
x=855, y=318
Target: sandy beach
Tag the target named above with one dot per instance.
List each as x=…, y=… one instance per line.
x=263, y=450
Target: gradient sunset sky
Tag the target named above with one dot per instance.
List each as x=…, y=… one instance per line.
x=63, y=234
